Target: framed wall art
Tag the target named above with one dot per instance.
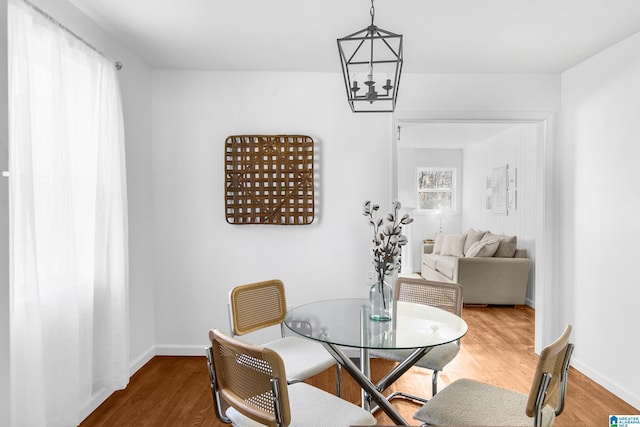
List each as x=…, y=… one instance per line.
x=512, y=189
x=269, y=179
x=499, y=190
x=488, y=202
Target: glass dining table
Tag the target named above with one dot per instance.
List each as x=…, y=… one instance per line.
x=341, y=324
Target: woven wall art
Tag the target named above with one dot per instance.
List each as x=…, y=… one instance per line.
x=269, y=179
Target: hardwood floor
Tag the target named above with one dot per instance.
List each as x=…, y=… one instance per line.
x=498, y=349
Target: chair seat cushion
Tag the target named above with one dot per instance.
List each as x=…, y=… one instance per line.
x=470, y=403
x=312, y=407
x=302, y=358
x=436, y=359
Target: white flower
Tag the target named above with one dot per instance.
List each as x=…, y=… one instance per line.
x=387, y=240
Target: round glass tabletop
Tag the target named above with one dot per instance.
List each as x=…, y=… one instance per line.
x=345, y=322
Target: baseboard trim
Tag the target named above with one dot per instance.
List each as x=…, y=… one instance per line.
x=97, y=399
x=180, y=350
x=102, y=395
x=141, y=360
x=621, y=392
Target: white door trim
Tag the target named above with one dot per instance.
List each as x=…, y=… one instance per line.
x=545, y=317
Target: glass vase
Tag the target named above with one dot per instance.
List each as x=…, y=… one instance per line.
x=381, y=302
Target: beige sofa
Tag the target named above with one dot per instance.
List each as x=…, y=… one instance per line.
x=490, y=268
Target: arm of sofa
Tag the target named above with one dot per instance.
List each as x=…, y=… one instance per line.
x=493, y=280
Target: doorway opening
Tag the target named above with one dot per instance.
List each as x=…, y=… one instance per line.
x=416, y=134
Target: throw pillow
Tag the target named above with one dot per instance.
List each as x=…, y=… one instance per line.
x=473, y=236
x=507, y=247
x=453, y=244
x=484, y=248
x=489, y=235
x=437, y=246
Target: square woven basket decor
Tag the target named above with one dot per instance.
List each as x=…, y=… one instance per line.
x=269, y=179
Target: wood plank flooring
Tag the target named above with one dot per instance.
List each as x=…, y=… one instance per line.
x=498, y=349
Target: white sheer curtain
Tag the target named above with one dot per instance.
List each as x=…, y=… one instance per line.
x=68, y=239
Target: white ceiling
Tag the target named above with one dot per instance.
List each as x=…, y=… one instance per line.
x=440, y=36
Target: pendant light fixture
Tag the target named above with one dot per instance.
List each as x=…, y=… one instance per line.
x=371, y=65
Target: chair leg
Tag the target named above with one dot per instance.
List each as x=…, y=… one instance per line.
x=434, y=383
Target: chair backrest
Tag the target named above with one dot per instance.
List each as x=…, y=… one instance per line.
x=249, y=378
x=257, y=305
x=550, y=380
x=446, y=296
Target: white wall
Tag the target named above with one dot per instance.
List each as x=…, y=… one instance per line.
x=598, y=205
x=199, y=257
x=517, y=147
x=477, y=93
x=135, y=84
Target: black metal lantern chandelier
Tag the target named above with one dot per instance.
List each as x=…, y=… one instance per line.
x=371, y=65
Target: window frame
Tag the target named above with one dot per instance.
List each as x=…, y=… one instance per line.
x=453, y=190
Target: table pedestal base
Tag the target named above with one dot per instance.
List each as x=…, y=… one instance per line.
x=362, y=376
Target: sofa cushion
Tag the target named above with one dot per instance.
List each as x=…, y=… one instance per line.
x=429, y=260
x=446, y=265
x=473, y=236
x=484, y=248
x=437, y=245
x=507, y=247
x=453, y=244
x=440, y=263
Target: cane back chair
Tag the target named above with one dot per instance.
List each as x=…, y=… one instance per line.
x=467, y=402
x=446, y=296
x=255, y=306
x=249, y=387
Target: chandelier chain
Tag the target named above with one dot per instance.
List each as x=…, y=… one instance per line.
x=372, y=12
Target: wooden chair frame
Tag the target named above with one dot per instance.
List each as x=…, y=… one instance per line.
x=551, y=376
x=548, y=387
x=251, y=378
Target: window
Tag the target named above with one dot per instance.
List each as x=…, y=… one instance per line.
x=436, y=189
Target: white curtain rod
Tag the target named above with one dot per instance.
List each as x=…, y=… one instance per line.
x=117, y=64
